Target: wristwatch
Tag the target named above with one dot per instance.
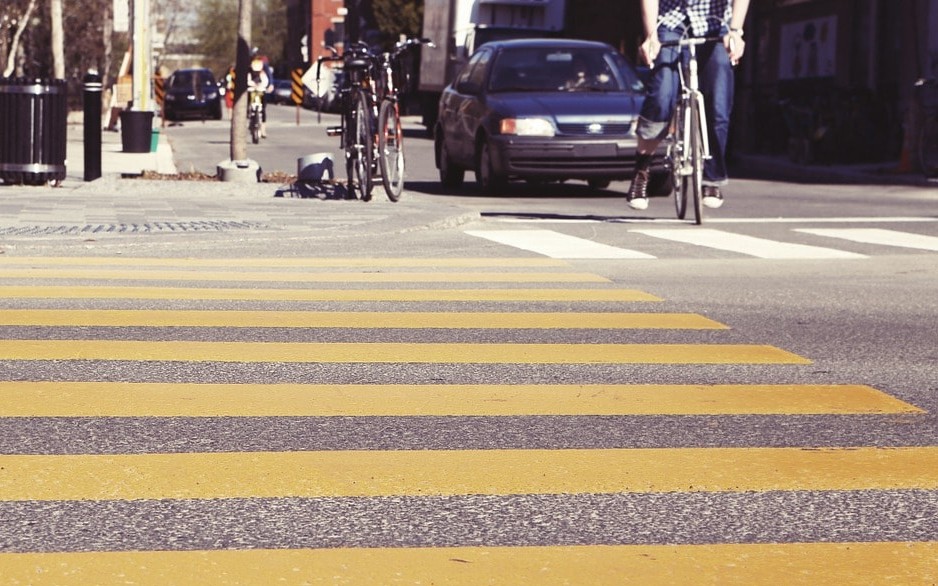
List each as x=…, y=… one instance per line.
x=737, y=31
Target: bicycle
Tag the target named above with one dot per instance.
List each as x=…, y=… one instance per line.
x=926, y=93
x=689, y=144
x=357, y=109
x=255, y=113
x=390, y=131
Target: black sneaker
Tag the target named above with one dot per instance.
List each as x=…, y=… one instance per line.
x=712, y=197
x=637, y=195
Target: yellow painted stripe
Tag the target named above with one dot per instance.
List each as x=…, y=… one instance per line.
x=430, y=353
x=187, y=293
x=125, y=261
x=119, y=399
x=769, y=564
x=348, y=319
x=458, y=472
x=302, y=277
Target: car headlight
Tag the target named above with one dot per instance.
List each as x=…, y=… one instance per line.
x=527, y=127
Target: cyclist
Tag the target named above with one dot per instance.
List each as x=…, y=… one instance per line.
x=665, y=20
x=260, y=81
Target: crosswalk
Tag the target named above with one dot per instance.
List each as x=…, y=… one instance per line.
x=558, y=245
x=303, y=421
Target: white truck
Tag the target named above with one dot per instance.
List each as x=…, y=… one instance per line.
x=458, y=27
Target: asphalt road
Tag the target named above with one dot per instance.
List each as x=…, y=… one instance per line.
x=537, y=388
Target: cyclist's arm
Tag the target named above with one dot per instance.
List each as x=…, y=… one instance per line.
x=733, y=41
x=650, y=48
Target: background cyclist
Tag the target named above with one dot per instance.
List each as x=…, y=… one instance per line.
x=260, y=78
x=666, y=20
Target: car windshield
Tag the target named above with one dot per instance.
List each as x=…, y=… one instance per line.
x=191, y=79
x=552, y=69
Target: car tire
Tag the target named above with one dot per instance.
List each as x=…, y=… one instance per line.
x=487, y=179
x=451, y=174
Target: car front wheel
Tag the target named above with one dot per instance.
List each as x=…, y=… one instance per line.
x=451, y=174
x=488, y=180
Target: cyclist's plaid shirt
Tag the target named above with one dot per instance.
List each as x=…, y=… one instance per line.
x=706, y=17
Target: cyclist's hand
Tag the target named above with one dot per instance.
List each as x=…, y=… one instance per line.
x=735, y=46
x=649, y=49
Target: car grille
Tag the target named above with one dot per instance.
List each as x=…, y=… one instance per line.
x=588, y=129
x=569, y=164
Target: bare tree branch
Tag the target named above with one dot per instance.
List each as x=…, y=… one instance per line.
x=20, y=27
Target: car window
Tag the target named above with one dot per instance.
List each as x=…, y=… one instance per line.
x=545, y=69
x=630, y=78
x=467, y=74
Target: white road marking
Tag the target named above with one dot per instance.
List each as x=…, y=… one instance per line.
x=749, y=245
x=626, y=220
x=877, y=236
x=557, y=245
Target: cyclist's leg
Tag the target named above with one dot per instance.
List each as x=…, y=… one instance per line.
x=655, y=116
x=716, y=83
x=263, y=116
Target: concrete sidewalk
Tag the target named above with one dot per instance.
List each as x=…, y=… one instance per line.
x=113, y=158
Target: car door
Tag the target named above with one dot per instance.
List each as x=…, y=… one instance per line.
x=460, y=113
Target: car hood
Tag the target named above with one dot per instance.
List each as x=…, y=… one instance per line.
x=567, y=106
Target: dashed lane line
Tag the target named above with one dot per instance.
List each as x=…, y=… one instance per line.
x=353, y=319
x=122, y=399
x=730, y=564
x=556, y=245
x=380, y=473
x=395, y=353
x=344, y=294
x=749, y=245
x=878, y=236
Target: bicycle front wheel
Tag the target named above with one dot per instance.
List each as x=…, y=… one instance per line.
x=696, y=161
x=928, y=147
x=358, y=148
x=677, y=160
x=391, y=149
x=255, y=128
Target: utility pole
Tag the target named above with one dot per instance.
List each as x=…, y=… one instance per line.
x=238, y=167
x=142, y=67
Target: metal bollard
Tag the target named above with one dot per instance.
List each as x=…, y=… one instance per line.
x=92, y=134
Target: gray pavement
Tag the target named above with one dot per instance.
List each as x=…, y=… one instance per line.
x=120, y=203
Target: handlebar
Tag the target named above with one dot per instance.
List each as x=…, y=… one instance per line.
x=688, y=41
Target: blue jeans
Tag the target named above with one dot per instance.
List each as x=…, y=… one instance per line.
x=716, y=83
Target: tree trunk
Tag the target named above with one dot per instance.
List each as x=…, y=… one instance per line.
x=58, y=40
x=239, y=129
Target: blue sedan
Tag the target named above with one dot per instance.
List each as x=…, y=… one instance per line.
x=542, y=110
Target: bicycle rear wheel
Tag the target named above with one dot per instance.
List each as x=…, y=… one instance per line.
x=391, y=149
x=928, y=146
x=358, y=148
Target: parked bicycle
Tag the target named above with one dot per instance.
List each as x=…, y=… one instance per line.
x=926, y=93
x=357, y=111
x=390, y=131
x=689, y=145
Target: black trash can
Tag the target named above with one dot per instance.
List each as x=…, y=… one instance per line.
x=33, y=127
x=136, y=131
